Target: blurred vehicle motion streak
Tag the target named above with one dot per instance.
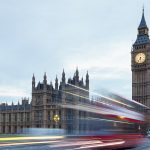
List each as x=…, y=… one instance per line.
x=113, y=120
x=106, y=121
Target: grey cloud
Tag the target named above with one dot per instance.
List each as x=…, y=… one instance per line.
x=38, y=36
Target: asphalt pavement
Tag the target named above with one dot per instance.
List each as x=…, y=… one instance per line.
x=46, y=146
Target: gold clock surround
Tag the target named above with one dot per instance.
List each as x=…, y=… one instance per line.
x=140, y=58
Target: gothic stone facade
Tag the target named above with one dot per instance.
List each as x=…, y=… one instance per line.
x=140, y=65
x=47, y=104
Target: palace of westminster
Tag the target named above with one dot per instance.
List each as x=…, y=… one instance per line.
x=46, y=109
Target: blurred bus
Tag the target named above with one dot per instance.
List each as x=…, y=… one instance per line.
x=114, y=121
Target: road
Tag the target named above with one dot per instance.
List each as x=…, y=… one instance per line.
x=144, y=146
x=47, y=146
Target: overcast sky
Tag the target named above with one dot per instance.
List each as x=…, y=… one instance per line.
x=38, y=36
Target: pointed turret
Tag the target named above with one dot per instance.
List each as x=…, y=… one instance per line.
x=51, y=86
x=82, y=80
x=77, y=75
x=33, y=82
x=45, y=78
x=33, y=78
x=45, y=81
x=142, y=37
x=87, y=80
x=56, y=83
x=143, y=22
x=63, y=77
x=82, y=83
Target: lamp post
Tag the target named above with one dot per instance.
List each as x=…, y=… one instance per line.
x=56, y=118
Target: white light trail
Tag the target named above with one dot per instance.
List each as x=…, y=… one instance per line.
x=108, y=98
x=101, y=145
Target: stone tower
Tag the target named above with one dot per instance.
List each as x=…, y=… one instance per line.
x=140, y=65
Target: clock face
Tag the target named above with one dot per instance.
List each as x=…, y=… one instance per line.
x=140, y=58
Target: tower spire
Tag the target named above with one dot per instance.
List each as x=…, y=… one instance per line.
x=143, y=36
x=63, y=77
x=143, y=22
x=56, y=83
x=33, y=77
x=45, y=78
x=33, y=82
x=87, y=80
x=77, y=75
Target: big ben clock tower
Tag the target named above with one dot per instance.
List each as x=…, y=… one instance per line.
x=140, y=65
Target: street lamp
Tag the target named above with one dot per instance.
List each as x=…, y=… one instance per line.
x=56, y=118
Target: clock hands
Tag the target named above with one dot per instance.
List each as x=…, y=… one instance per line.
x=139, y=59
